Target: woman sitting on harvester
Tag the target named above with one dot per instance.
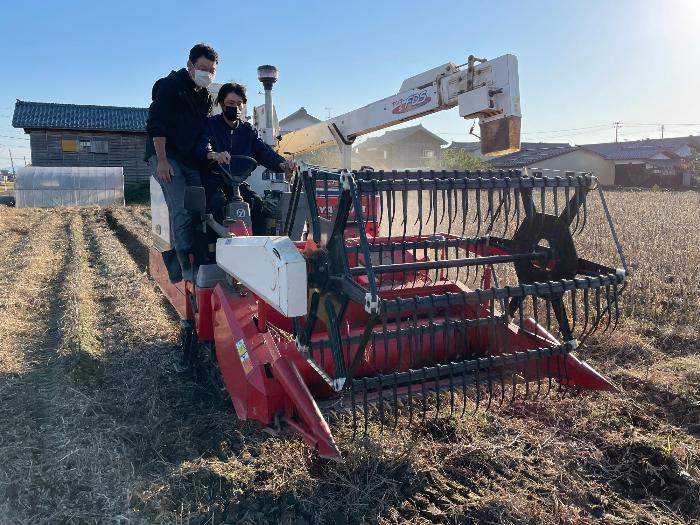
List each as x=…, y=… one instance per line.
x=226, y=135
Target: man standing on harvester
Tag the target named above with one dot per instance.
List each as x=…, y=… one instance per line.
x=176, y=120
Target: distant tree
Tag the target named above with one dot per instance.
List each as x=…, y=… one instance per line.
x=328, y=157
x=694, y=162
x=459, y=159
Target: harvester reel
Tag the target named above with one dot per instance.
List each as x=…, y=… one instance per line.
x=429, y=335
x=561, y=261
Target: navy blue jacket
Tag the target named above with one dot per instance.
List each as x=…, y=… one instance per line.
x=179, y=113
x=241, y=140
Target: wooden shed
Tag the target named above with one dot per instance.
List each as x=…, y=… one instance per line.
x=72, y=135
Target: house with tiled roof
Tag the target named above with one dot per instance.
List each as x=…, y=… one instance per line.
x=559, y=160
x=474, y=148
x=650, y=161
x=404, y=148
x=73, y=135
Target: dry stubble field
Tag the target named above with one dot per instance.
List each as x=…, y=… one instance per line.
x=98, y=425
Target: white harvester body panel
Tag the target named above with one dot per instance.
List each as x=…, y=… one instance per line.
x=160, y=223
x=271, y=267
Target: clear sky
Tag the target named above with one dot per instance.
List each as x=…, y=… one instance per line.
x=583, y=64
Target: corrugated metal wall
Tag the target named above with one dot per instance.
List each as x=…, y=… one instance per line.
x=123, y=150
x=44, y=187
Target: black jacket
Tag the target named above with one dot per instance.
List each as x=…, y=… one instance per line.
x=178, y=113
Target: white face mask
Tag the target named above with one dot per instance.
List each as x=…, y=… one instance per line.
x=203, y=78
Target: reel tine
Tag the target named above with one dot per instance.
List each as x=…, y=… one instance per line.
x=489, y=380
x=449, y=207
x=380, y=404
x=365, y=406
x=477, y=215
x=586, y=311
x=354, y=410
x=556, y=195
x=452, y=389
x=404, y=208
x=464, y=391
x=424, y=394
x=538, y=364
x=477, y=387
x=390, y=210
x=514, y=385
x=527, y=379
x=608, y=308
x=410, y=396
x=503, y=386
x=577, y=197
x=617, y=305
x=585, y=213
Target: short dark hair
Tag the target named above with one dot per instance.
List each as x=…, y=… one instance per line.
x=203, y=50
x=231, y=87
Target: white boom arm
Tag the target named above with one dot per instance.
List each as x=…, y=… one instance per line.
x=486, y=89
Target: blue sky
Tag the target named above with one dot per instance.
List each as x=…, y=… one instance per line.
x=583, y=65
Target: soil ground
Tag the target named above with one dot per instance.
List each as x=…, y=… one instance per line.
x=98, y=423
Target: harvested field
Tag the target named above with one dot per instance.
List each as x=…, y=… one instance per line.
x=97, y=423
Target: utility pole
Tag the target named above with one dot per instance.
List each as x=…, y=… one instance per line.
x=12, y=162
x=329, y=112
x=662, y=131
x=617, y=127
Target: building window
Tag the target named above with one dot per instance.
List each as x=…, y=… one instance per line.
x=536, y=173
x=84, y=146
x=428, y=153
x=100, y=146
x=69, y=145
x=569, y=173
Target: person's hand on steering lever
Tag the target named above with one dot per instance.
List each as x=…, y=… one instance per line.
x=288, y=166
x=223, y=157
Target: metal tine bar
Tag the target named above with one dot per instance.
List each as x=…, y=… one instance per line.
x=419, y=217
x=410, y=396
x=381, y=404
x=449, y=211
x=452, y=389
x=354, y=410
x=538, y=373
x=585, y=214
x=395, y=402
x=489, y=209
x=434, y=206
x=404, y=208
x=503, y=386
x=365, y=405
x=477, y=387
x=556, y=196
x=391, y=208
x=374, y=210
x=574, y=313
x=506, y=209
x=424, y=394
x=465, y=210
x=608, y=308
x=577, y=196
x=617, y=306
x=513, y=385
x=464, y=393
x=477, y=215
x=525, y=290
x=489, y=380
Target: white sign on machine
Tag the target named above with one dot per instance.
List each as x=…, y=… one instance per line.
x=270, y=266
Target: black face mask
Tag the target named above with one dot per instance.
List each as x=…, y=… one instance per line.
x=231, y=113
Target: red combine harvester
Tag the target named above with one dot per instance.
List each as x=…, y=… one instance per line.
x=410, y=291
x=386, y=320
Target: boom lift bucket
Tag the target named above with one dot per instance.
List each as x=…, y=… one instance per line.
x=454, y=289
